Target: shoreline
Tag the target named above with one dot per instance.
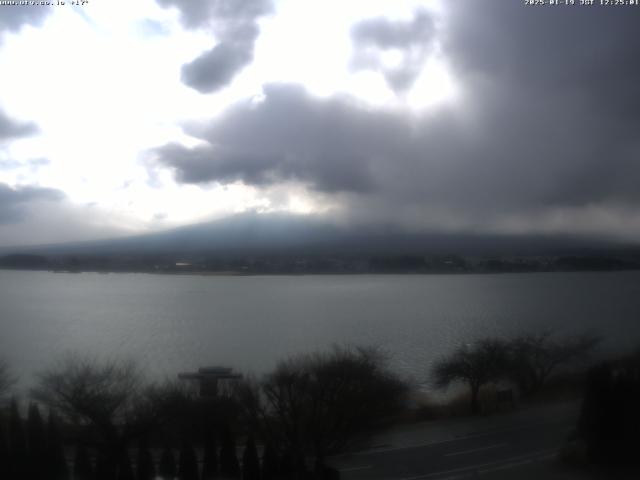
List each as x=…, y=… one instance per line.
x=238, y=273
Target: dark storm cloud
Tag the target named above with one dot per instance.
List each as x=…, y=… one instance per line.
x=338, y=145
x=568, y=76
x=10, y=129
x=547, y=121
x=216, y=68
x=235, y=25
x=590, y=52
x=13, y=17
x=14, y=202
x=287, y=136
x=412, y=39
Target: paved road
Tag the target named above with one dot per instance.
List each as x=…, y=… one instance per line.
x=480, y=453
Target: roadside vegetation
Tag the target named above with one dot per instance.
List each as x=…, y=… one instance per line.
x=609, y=425
x=106, y=421
x=524, y=365
x=95, y=419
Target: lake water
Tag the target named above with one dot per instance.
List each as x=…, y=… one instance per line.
x=172, y=323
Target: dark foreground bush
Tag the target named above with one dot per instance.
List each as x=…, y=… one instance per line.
x=610, y=417
x=313, y=406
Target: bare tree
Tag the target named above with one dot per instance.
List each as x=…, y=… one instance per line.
x=319, y=404
x=476, y=365
x=88, y=391
x=108, y=399
x=535, y=358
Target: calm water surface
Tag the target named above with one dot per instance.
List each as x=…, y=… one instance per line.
x=173, y=323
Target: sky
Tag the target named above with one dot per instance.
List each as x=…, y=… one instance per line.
x=120, y=117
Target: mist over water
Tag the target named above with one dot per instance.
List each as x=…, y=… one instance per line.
x=172, y=323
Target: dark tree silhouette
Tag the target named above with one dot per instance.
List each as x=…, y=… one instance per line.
x=87, y=392
x=6, y=380
x=322, y=403
x=167, y=467
x=229, y=464
x=270, y=463
x=476, y=365
x=56, y=461
x=610, y=418
x=188, y=462
x=250, y=461
x=287, y=467
x=105, y=467
x=351, y=393
x=82, y=467
x=125, y=470
x=108, y=398
x=37, y=444
x=18, y=443
x=176, y=407
x=535, y=358
x=210, y=460
x=5, y=465
x=145, y=468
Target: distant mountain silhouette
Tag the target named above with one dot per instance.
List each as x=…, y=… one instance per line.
x=286, y=234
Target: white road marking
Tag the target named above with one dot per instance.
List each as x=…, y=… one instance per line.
x=480, y=449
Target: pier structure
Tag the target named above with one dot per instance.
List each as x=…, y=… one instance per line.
x=210, y=379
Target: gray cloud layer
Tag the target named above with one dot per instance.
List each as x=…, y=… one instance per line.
x=14, y=202
x=289, y=135
x=10, y=129
x=548, y=123
x=12, y=17
x=562, y=91
x=413, y=39
x=235, y=25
